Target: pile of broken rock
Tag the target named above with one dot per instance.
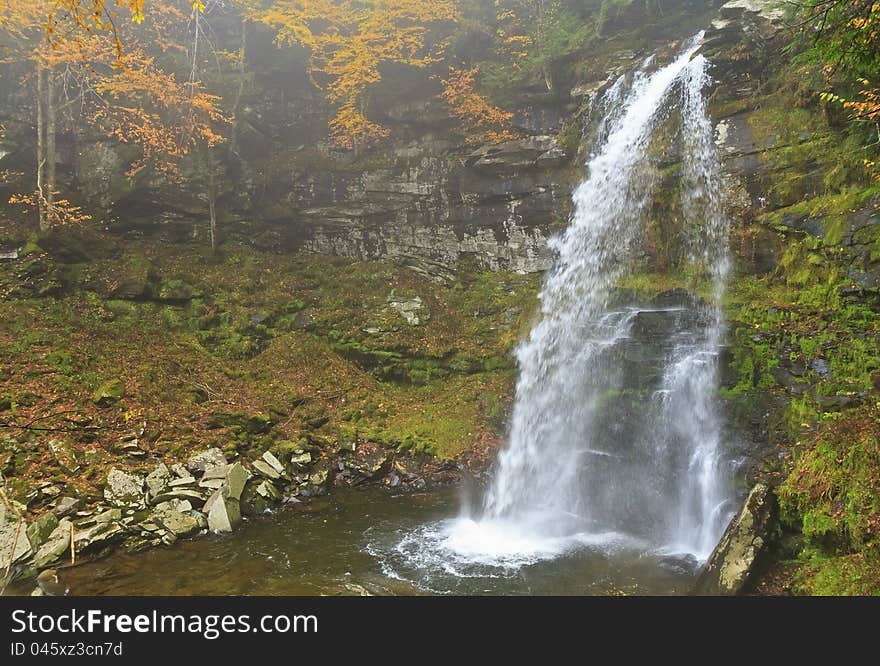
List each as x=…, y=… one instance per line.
x=206, y=494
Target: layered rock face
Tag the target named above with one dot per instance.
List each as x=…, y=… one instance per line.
x=428, y=207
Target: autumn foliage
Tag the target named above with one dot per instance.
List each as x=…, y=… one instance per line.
x=59, y=212
x=163, y=117
x=348, y=42
x=481, y=121
x=127, y=96
x=845, y=36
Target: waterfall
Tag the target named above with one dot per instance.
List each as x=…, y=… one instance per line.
x=570, y=470
x=616, y=442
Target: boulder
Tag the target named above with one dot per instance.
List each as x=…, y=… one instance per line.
x=216, y=472
x=236, y=478
x=266, y=470
x=109, y=392
x=65, y=506
x=176, y=516
x=49, y=584
x=273, y=462
x=200, y=463
x=100, y=533
x=410, y=309
x=38, y=531
x=14, y=544
x=301, y=458
x=159, y=480
x=732, y=563
x=55, y=546
x=268, y=491
x=319, y=478
x=124, y=489
x=183, y=482
x=183, y=494
x=252, y=502
x=175, y=291
x=225, y=515
x=108, y=516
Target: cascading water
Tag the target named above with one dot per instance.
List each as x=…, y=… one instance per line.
x=609, y=446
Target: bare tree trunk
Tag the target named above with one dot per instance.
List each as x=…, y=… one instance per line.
x=212, y=199
x=548, y=77
x=242, y=69
x=51, y=124
x=41, y=149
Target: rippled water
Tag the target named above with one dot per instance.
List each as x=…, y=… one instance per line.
x=385, y=544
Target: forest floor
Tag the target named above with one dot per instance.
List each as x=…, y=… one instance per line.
x=116, y=354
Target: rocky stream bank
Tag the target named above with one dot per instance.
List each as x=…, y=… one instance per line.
x=143, y=507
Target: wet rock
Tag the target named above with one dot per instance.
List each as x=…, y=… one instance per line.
x=225, y=515
x=236, y=478
x=268, y=491
x=176, y=516
x=785, y=377
x=833, y=403
x=355, y=590
x=99, y=534
x=198, y=464
x=109, y=392
x=730, y=566
x=512, y=156
x=252, y=502
x=38, y=531
x=55, y=546
x=49, y=584
x=124, y=489
x=771, y=10
x=371, y=468
x=684, y=564
x=319, y=478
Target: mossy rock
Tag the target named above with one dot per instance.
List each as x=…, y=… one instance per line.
x=252, y=424
x=175, y=291
x=109, y=392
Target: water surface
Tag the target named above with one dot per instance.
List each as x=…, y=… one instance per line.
x=370, y=540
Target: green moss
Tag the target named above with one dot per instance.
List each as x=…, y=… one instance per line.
x=845, y=575
x=273, y=349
